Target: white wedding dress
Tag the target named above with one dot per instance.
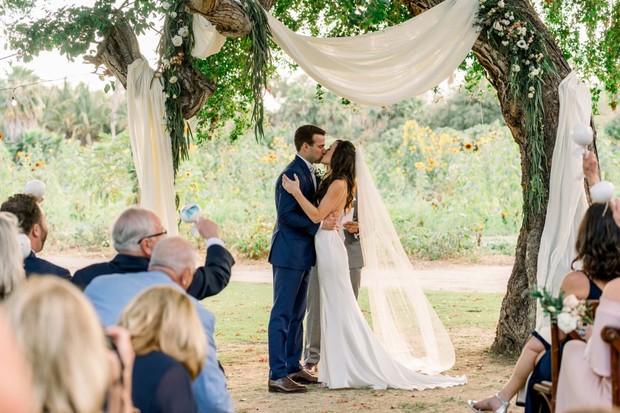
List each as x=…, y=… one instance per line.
x=351, y=354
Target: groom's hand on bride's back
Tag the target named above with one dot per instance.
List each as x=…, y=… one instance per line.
x=207, y=228
x=331, y=222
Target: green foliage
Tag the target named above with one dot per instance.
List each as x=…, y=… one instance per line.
x=613, y=128
x=175, y=49
x=588, y=31
x=507, y=28
x=464, y=110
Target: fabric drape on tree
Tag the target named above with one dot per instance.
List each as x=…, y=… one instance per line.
x=150, y=143
x=385, y=67
x=207, y=40
x=567, y=196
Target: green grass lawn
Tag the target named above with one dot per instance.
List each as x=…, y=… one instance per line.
x=242, y=310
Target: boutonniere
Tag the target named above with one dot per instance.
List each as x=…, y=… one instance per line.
x=319, y=171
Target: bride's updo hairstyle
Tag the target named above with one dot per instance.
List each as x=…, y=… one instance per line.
x=342, y=166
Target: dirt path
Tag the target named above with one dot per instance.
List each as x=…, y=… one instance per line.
x=489, y=274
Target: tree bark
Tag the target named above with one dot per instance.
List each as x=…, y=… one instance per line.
x=516, y=319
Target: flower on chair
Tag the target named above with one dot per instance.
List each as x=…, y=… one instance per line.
x=569, y=312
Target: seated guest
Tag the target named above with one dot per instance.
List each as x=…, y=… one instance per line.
x=11, y=261
x=64, y=344
x=172, y=263
x=585, y=376
x=15, y=382
x=135, y=234
x=598, y=249
x=32, y=223
x=170, y=349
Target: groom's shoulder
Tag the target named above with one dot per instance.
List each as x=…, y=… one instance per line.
x=296, y=163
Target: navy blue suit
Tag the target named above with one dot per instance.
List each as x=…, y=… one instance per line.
x=36, y=265
x=208, y=280
x=292, y=255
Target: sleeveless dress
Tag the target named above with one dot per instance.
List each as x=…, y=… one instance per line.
x=534, y=402
x=351, y=354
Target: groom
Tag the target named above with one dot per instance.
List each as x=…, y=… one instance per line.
x=292, y=255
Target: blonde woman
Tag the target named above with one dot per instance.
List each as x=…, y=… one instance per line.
x=170, y=348
x=59, y=332
x=11, y=259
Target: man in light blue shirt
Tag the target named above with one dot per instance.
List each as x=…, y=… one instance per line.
x=172, y=263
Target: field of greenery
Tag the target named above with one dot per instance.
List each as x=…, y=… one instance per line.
x=448, y=171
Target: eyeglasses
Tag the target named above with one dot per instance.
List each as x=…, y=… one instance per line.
x=159, y=234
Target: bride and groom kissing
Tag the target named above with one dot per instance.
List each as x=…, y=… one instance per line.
x=305, y=235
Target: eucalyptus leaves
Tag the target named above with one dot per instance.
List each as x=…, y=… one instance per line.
x=175, y=48
x=502, y=23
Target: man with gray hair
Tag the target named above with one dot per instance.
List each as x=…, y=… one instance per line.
x=172, y=263
x=135, y=234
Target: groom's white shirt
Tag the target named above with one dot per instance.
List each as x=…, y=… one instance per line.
x=311, y=168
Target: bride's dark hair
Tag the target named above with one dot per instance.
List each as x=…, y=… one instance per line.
x=342, y=166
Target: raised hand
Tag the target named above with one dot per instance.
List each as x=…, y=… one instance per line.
x=290, y=185
x=590, y=168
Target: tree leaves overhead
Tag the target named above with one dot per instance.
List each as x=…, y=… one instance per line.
x=71, y=29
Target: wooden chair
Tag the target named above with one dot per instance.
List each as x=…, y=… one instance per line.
x=548, y=390
x=612, y=336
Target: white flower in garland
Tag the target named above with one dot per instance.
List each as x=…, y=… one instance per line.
x=505, y=42
x=516, y=68
x=501, y=4
x=183, y=31
x=173, y=79
x=173, y=14
x=498, y=26
x=534, y=72
x=165, y=5
x=165, y=62
x=177, y=41
x=522, y=31
x=522, y=44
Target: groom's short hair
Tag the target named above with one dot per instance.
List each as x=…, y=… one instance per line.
x=304, y=134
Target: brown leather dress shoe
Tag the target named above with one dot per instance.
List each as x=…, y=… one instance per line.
x=286, y=385
x=304, y=376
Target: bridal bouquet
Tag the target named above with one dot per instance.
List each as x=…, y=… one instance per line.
x=570, y=312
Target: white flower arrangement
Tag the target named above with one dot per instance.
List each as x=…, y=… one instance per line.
x=569, y=312
x=183, y=31
x=177, y=40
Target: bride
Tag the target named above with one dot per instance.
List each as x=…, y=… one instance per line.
x=409, y=345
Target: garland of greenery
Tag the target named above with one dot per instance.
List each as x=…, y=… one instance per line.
x=260, y=62
x=175, y=50
x=504, y=25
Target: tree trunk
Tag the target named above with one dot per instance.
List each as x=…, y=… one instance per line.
x=517, y=319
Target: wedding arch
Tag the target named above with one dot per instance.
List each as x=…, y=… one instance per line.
x=536, y=131
x=379, y=69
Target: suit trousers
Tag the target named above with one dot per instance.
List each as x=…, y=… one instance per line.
x=285, y=331
x=312, y=345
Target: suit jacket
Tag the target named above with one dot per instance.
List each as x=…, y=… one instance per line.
x=292, y=242
x=353, y=245
x=109, y=294
x=208, y=280
x=36, y=265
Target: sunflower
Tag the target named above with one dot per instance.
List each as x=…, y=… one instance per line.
x=468, y=146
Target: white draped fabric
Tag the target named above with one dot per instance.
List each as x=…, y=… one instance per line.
x=150, y=143
x=567, y=196
x=379, y=68
x=385, y=67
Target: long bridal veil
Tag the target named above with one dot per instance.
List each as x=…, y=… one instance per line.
x=402, y=317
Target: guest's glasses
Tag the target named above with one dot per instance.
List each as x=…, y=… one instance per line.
x=159, y=234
